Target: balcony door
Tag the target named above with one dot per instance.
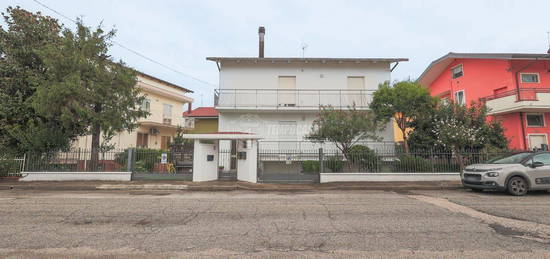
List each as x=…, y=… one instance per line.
x=536, y=140
x=287, y=91
x=354, y=95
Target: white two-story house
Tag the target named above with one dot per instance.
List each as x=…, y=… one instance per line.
x=278, y=98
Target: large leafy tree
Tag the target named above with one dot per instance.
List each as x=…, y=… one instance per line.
x=22, y=72
x=404, y=102
x=84, y=85
x=458, y=128
x=344, y=128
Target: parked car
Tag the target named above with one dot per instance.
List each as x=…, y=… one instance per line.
x=516, y=173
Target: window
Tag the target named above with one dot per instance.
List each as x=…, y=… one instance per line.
x=529, y=78
x=544, y=158
x=142, y=140
x=460, y=97
x=167, y=114
x=145, y=105
x=287, y=92
x=535, y=120
x=457, y=71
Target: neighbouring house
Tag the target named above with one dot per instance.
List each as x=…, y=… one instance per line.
x=514, y=86
x=165, y=102
x=205, y=119
x=279, y=97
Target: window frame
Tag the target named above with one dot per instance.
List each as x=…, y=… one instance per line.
x=523, y=82
x=536, y=134
x=536, y=126
x=164, y=105
x=461, y=70
x=146, y=105
x=463, y=97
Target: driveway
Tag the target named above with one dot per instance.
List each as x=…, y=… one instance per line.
x=450, y=223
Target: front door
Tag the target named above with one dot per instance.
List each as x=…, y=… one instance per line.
x=536, y=141
x=233, y=155
x=540, y=176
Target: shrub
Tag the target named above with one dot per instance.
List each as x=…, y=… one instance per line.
x=409, y=163
x=334, y=163
x=9, y=167
x=310, y=166
x=364, y=157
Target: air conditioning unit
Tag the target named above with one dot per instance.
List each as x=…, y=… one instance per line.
x=167, y=121
x=188, y=122
x=154, y=131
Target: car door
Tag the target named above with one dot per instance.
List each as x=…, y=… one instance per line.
x=540, y=176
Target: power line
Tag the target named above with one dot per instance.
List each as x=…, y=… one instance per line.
x=133, y=51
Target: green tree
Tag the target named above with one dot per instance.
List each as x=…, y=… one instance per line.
x=344, y=128
x=85, y=86
x=458, y=128
x=404, y=102
x=22, y=72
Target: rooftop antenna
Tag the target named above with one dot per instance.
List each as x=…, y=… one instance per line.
x=304, y=47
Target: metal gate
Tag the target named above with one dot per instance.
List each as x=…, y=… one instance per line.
x=288, y=166
x=173, y=164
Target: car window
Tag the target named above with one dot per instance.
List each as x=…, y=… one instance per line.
x=545, y=158
x=510, y=159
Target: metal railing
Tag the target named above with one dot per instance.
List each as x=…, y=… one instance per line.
x=79, y=160
x=287, y=99
x=11, y=166
x=522, y=94
x=369, y=160
x=293, y=146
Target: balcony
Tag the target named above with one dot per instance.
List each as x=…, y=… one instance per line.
x=281, y=99
x=522, y=100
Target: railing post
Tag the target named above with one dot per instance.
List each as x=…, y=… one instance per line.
x=234, y=98
x=321, y=159
x=256, y=98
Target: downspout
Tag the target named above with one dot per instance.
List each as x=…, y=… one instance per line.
x=522, y=123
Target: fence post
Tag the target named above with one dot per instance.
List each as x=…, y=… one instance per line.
x=130, y=163
x=321, y=164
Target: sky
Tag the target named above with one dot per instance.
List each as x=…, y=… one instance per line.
x=181, y=34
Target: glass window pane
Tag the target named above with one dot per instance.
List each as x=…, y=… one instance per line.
x=545, y=158
x=535, y=120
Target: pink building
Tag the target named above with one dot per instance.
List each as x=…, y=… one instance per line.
x=515, y=87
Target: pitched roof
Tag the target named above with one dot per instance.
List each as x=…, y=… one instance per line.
x=437, y=66
x=164, y=82
x=202, y=112
x=290, y=59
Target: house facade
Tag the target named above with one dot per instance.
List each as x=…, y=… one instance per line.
x=515, y=87
x=278, y=98
x=205, y=119
x=165, y=102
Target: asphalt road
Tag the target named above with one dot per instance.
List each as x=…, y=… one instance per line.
x=442, y=224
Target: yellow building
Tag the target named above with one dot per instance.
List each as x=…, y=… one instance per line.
x=205, y=119
x=165, y=102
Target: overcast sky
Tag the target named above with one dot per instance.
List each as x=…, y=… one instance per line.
x=180, y=34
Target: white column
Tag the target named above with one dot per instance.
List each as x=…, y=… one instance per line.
x=247, y=169
x=205, y=161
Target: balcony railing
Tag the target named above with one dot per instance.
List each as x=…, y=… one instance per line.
x=288, y=99
x=522, y=94
x=523, y=99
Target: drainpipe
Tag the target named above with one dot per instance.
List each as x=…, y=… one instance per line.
x=522, y=123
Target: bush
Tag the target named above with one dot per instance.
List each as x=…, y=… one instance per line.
x=334, y=163
x=364, y=157
x=408, y=163
x=145, y=159
x=9, y=167
x=310, y=166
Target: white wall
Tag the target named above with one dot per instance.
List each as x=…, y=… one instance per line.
x=266, y=124
x=76, y=176
x=388, y=177
x=313, y=75
x=204, y=170
x=247, y=169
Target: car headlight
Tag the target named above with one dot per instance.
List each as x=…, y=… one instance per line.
x=492, y=174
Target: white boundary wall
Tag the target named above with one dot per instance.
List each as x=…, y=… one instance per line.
x=388, y=177
x=76, y=176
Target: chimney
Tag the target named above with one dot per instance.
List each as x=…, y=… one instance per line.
x=189, y=108
x=261, y=33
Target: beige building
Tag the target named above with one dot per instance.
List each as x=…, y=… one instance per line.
x=165, y=102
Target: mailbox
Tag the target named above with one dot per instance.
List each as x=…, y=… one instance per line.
x=209, y=158
x=241, y=155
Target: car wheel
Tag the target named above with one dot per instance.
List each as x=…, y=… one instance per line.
x=517, y=186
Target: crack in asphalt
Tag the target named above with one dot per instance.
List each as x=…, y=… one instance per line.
x=501, y=225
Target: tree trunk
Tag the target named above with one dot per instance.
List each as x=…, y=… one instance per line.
x=459, y=159
x=96, y=132
x=405, y=141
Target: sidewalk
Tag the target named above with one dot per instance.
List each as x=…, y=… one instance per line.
x=224, y=186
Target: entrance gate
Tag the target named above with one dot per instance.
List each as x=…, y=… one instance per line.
x=173, y=164
x=288, y=167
